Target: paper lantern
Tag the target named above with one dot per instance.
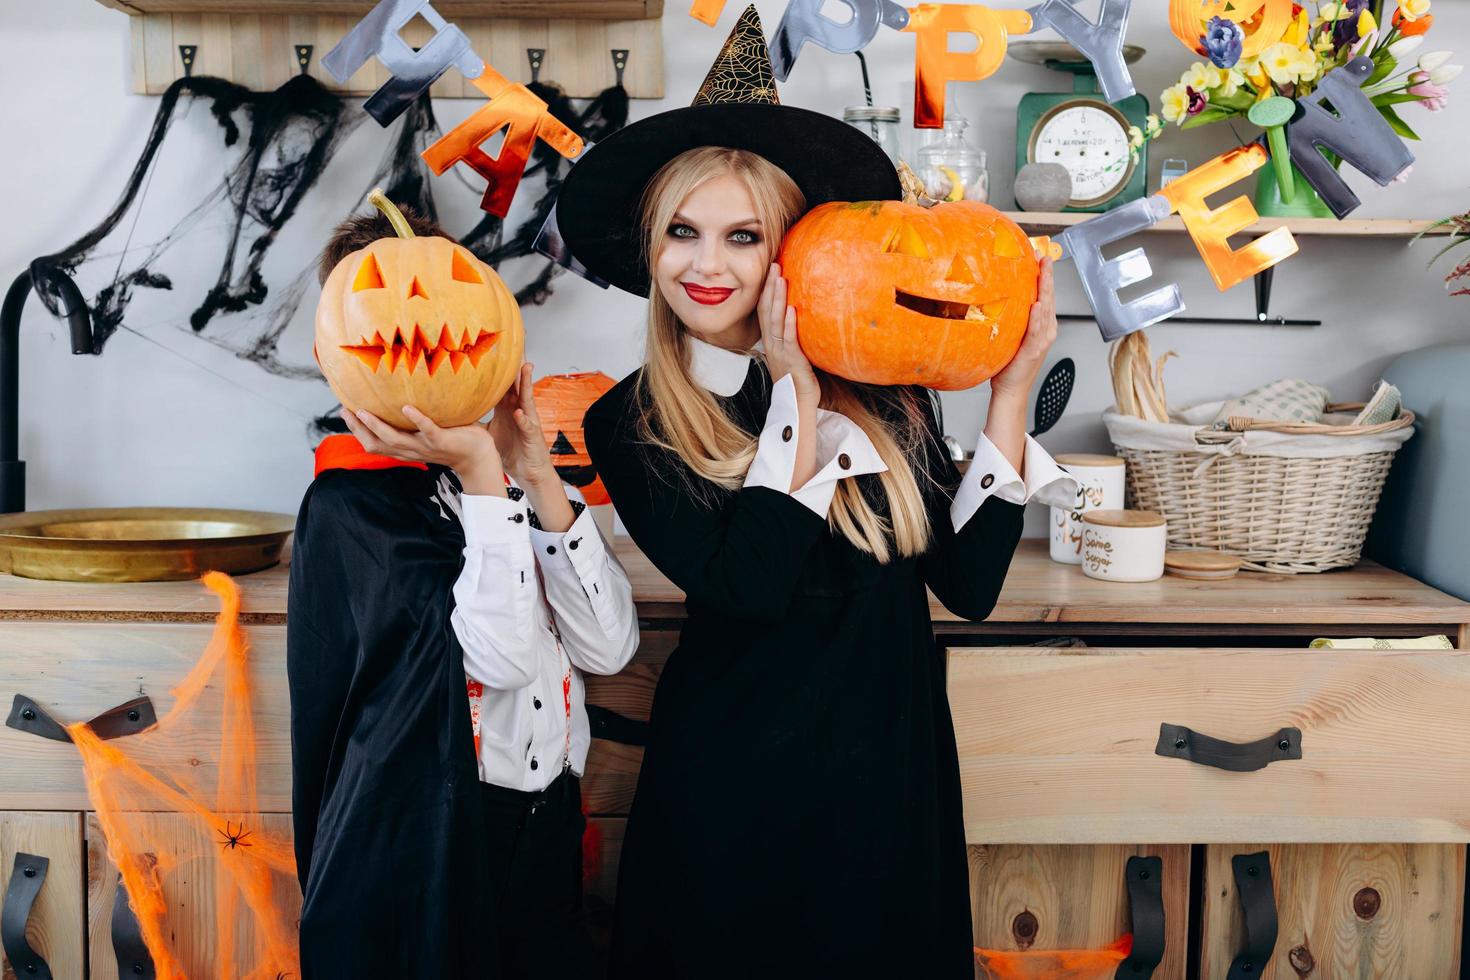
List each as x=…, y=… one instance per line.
x=561, y=401
x=417, y=321
x=893, y=293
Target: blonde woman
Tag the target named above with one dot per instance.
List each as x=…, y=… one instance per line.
x=798, y=811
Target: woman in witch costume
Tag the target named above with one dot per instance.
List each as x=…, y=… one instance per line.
x=798, y=811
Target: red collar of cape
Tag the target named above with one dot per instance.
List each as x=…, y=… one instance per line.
x=344, y=452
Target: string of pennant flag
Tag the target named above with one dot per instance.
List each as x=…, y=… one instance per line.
x=1336, y=118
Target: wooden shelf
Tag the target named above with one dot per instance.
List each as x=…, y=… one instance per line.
x=450, y=9
x=258, y=50
x=1041, y=222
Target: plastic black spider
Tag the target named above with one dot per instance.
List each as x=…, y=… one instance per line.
x=233, y=838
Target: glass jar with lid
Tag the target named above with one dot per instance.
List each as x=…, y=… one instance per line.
x=951, y=168
x=878, y=121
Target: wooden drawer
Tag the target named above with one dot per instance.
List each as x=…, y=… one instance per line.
x=1342, y=910
x=1060, y=746
x=75, y=671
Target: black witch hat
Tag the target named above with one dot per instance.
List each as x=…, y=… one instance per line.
x=737, y=106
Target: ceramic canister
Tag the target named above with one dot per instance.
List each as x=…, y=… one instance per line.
x=1123, y=545
x=1099, y=486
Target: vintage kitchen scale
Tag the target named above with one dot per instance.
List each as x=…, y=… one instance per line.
x=1081, y=130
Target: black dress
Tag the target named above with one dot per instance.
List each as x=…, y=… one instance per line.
x=798, y=811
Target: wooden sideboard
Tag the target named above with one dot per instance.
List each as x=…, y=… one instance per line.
x=1366, y=832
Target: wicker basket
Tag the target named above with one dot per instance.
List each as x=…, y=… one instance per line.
x=1283, y=497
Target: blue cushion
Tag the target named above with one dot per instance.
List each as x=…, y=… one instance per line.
x=1422, y=526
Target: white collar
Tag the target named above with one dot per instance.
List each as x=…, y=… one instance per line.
x=721, y=372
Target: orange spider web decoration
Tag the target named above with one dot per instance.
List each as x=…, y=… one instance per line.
x=131, y=781
x=1071, y=964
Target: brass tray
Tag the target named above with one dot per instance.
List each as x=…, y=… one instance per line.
x=140, y=544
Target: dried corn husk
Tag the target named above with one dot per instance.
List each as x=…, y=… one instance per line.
x=1138, y=381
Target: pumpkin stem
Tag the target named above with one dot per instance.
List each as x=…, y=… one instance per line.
x=395, y=217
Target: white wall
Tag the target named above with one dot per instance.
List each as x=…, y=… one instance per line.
x=164, y=418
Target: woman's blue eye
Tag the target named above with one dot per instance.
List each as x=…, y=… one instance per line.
x=744, y=237
x=682, y=231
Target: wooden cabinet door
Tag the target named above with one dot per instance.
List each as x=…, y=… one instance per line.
x=191, y=917
x=1343, y=910
x=1027, y=898
x=54, y=928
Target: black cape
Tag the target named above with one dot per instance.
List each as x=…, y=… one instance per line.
x=798, y=810
x=385, y=785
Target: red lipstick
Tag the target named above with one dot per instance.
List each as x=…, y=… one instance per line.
x=707, y=295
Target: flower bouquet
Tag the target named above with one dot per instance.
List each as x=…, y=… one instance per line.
x=1229, y=85
x=1458, y=228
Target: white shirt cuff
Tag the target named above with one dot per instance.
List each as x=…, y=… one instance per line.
x=491, y=521
x=991, y=474
x=843, y=449
x=578, y=549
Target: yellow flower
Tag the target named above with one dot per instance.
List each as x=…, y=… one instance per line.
x=1280, y=62
x=1307, y=68
x=1199, y=77
x=1255, y=71
x=1413, y=9
x=1231, y=83
x=1366, y=24
x=1296, y=34
x=1174, y=103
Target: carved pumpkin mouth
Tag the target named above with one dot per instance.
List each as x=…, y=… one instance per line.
x=576, y=475
x=406, y=352
x=949, y=309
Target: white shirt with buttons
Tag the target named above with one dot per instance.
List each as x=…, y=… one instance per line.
x=520, y=590
x=843, y=449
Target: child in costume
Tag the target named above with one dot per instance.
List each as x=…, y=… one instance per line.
x=798, y=810
x=440, y=616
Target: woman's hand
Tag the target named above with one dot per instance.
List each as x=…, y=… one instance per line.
x=1005, y=423
x=778, y=335
x=469, y=450
x=516, y=428
x=1014, y=382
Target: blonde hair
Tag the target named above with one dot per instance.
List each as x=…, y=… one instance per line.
x=685, y=419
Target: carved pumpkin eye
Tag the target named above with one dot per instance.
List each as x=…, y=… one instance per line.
x=1009, y=244
x=462, y=270
x=904, y=240
x=369, y=275
x=959, y=271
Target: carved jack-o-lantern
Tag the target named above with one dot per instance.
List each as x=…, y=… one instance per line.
x=417, y=321
x=893, y=293
x=561, y=401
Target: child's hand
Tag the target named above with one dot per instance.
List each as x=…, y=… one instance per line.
x=516, y=428
x=469, y=450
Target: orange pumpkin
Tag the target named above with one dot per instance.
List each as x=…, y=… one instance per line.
x=561, y=401
x=417, y=321
x=892, y=293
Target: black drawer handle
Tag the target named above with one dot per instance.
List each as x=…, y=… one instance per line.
x=1258, y=901
x=25, y=884
x=1146, y=912
x=134, y=962
x=1178, y=742
x=128, y=718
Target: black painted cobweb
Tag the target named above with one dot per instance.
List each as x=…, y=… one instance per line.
x=290, y=136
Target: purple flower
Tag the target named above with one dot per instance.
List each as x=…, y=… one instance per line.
x=1223, y=41
x=1197, y=101
x=1345, y=31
